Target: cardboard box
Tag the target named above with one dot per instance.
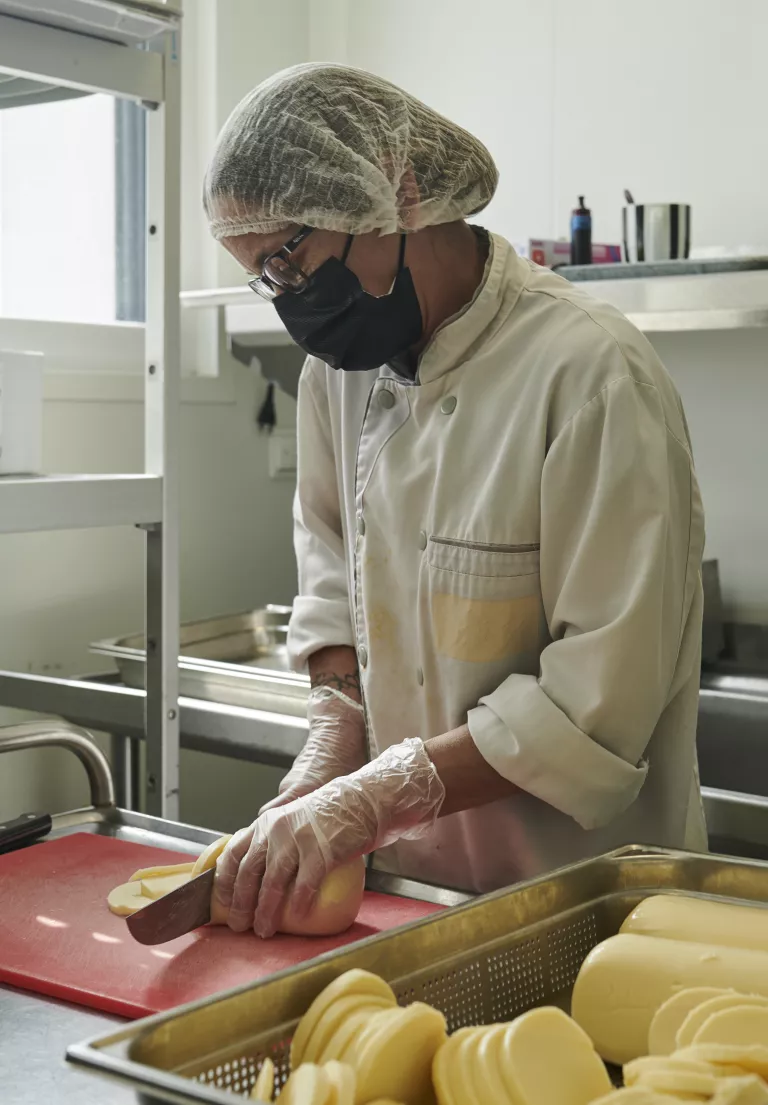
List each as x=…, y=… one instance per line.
x=552, y=254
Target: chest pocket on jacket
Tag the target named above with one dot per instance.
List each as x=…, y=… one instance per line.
x=485, y=599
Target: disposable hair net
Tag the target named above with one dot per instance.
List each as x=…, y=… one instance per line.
x=341, y=149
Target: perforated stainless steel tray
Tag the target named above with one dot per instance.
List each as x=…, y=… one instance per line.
x=487, y=960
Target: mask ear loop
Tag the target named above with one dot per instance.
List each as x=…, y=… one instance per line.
x=347, y=248
x=401, y=261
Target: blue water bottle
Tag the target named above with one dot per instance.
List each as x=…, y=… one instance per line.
x=581, y=234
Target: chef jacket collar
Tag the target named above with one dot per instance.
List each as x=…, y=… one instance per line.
x=459, y=337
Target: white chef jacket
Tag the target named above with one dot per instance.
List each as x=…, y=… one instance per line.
x=514, y=539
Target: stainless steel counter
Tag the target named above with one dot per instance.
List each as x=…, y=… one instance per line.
x=36, y=1032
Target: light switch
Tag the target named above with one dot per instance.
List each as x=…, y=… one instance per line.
x=282, y=455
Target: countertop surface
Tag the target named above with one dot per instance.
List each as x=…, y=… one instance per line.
x=644, y=269
x=36, y=1032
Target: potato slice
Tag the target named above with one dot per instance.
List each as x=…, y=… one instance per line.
x=341, y=1079
x=442, y=1065
x=264, y=1086
x=126, y=899
x=546, y=1057
x=470, y=1080
x=669, y=1017
x=162, y=872
x=307, y=1085
x=701, y=1013
x=395, y=1059
x=634, y=1070
x=209, y=855
x=739, y=1025
x=635, y=1095
x=749, y=1090
x=753, y=1059
x=156, y=887
x=488, y=1077
x=351, y=982
x=680, y=1083
x=343, y=1043
x=334, y=1016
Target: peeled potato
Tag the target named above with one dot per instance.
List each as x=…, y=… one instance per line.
x=394, y=1060
x=738, y=1025
x=748, y=1090
x=161, y=872
x=307, y=1085
x=334, y=1017
x=126, y=899
x=336, y=906
x=548, y=1058
x=341, y=1079
x=209, y=855
x=671, y=1014
x=264, y=1086
x=444, y=1062
x=752, y=1058
x=636, y=1095
x=156, y=888
x=351, y=982
x=701, y=1014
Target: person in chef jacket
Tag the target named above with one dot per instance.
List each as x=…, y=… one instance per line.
x=497, y=522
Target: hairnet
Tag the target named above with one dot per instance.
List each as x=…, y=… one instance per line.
x=340, y=149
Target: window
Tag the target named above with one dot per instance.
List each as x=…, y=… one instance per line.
x=72, y=211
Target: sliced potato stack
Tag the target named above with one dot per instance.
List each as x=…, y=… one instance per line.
x=540, y=1058
x=356, y=1023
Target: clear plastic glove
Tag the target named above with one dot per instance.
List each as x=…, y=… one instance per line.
x=292, y=848
x=335, y=746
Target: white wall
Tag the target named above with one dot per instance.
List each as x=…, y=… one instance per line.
x=58, y=592
x=667, y=99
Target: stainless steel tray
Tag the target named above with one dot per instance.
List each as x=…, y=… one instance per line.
x=237, y=659
x=487, y=960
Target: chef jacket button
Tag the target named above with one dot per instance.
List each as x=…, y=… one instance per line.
x=448, y=405
x=361, y=524
x=422, y=540
x=420, y=677
x=362, y=655
x=386, y=399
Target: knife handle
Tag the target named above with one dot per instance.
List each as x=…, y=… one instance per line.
x=23, y=830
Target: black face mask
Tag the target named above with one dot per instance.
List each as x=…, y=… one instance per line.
x=335, y=319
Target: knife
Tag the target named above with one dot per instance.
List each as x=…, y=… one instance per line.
x=23, y=830
x=175, y=914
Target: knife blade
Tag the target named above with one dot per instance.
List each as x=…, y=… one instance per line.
x=175, y=914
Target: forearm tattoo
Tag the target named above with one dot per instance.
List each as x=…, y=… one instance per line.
x=349, y=683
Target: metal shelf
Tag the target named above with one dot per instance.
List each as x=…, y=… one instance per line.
x=248, y=320
x=34, y=50
x=78, y=502
x=736, y=300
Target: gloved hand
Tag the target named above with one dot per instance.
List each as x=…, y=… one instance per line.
x=335, y=746
x=292, y=848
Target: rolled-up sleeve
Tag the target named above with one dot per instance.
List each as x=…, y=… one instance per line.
x=321, y=612
x=621, y=535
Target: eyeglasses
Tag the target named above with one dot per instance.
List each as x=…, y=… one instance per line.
x=278, y=273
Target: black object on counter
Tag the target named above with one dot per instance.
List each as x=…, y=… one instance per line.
x=581, y=234
x=23, y=830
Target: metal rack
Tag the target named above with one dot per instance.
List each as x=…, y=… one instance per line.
x=150, y=76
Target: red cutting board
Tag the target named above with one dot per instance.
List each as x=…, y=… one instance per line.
x=58, y=937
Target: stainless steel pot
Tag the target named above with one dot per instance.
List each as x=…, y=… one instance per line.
x=656, y=231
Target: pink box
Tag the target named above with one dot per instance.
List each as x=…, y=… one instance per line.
x=552, y=254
